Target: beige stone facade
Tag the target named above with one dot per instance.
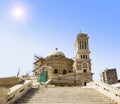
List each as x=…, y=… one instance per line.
x=55, y=64
x=82, y=62
x=63, y=70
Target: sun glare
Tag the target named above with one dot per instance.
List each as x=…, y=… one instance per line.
x=18, y=12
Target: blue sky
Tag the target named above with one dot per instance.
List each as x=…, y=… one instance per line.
x=55, y=23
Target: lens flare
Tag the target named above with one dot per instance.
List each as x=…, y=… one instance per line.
x=18, y=12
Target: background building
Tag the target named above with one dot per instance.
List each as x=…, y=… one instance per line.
x=109, y=76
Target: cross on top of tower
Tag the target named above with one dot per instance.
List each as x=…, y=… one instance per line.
x=80, y=31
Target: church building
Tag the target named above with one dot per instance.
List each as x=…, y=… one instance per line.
x=61, y=70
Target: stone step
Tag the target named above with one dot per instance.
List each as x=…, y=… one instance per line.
x=64, y=95
x=67, y=99
x=70, y=103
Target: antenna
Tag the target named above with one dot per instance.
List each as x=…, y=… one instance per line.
x=18, y=72
x=80, y=31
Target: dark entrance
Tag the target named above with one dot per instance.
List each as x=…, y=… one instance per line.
x=85, y=83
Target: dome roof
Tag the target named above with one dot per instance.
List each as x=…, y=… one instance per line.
x=56, y=52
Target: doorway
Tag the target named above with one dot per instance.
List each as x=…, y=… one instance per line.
x=85, y=83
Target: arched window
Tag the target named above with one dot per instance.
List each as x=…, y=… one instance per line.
x=85, y=44
x=64, y=72
x=56, y=71
x=81, y=56
x=86, y=56
x=80, y=44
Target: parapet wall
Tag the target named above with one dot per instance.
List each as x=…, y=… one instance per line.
x=18, y=91
x=10, y=95
x=117, y=85
x=106, y=89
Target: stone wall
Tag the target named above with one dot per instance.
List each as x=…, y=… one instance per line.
x=109, y=76
x=18, y=91
x=10, y=95
x=3, y=95
x=57, y=62
x=106, y=89
x=117, y=85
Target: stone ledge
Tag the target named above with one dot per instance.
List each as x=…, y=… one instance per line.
x=51, y=86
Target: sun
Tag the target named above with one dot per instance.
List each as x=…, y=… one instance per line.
x=18, y=12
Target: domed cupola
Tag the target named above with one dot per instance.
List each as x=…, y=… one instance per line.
x=56, y=53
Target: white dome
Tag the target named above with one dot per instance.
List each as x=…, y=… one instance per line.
x=56, y=52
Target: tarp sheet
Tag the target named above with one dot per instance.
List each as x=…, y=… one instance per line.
x=43, y=76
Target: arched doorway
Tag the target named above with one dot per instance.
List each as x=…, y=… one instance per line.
x=43, y=76
x=64, y=72
x=85, y=83
x=85, y=70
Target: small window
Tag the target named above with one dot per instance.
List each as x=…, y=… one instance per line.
x=56, y=71
x=64, y=72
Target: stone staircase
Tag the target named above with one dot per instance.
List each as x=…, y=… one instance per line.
x=64, y=95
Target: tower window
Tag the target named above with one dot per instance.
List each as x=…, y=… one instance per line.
x=83, y=56
x=80, y=44
x=85, y=44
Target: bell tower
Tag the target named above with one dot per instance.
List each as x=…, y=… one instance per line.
x=82, y=62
